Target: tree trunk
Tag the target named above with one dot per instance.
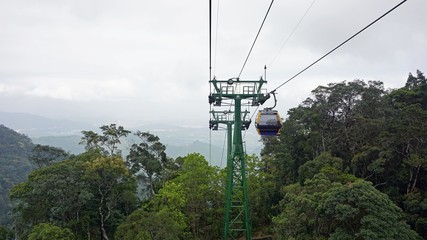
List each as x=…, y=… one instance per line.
x=102, y=219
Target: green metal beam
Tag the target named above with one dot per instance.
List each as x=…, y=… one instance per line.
x=236, y=212
x=237, y=220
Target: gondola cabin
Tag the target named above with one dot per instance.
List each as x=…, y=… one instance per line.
x=268, y=122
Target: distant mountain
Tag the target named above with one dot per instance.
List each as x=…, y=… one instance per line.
x=14, y=166
x=179, y=139
x=182, y=140
x=213, y=154
x=37, y=126
x=71, y=144
x=68, y=143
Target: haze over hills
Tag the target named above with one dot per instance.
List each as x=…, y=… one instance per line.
x=179, y=140
x=68, y=143
x=71, y=144
x=37, y=126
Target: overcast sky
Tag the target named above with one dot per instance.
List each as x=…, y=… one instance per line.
x=137, y=61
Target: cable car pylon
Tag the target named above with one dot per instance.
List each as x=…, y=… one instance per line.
x=225, y=117
x=236, y=212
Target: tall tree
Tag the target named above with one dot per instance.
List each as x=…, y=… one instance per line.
x=111, y=137
x=92, y=141
x=192, y=202
x=333, y=205
x=107, y=175
x=197, y=192
x=44, y=155
x=358, y=210
x=107, y=142
x=203, y=193
x=89, y=194
x=147, y=160
x=404, y=154
x=342, y=118
x=262, y=195
x=56, y=194
x=379, y=135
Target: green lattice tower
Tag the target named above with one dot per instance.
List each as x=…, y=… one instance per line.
x=226, y=118
x=236, y=212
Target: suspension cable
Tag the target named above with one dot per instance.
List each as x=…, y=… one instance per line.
x=210, y=40
x=318, y=60
x=292, y=33
x=210, y=76
x=253, y=44
x=216, y=37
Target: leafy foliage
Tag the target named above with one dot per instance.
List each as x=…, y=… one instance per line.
x=357, y=210
x=335, y=205
x=147, y=160
x=44, y=155
x=261, y=190
x=350, y=163
x=108, y=142
x=108, y=176
x=86, y=193
x=191, y=201
x=163, y=224
x=48, y=231
x=197, y=193
x=6, y=234
x=376, y=135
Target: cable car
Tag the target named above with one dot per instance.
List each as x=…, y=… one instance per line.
x=268, y=122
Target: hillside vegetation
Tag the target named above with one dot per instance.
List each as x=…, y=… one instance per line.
x=15, y=149
x=350, y=163
x=348, y=140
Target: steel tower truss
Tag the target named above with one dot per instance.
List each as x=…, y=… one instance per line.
x=236, y=212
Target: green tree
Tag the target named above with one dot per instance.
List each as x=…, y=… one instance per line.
x=313, y=167
x=192, y=200
x=404, y=154
x=161, y=218
x=261, y=194
x=110, y=138
x=15, y=148
x=44, y=155
x=107, y=175
x=298, y=218
x=56, y=194
x=45, y=231
x=147, y=161
x=161, y=225
x=379, y=135
x=325, y=209
x=202, y=188
x=107, y=142
x=6, y=233
x=341, y=118
x=359, y=211
x=415, y=205
x=404, y=145
x=80, y=193
x=92, y=141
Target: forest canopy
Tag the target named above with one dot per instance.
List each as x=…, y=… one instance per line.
x=350, y=163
